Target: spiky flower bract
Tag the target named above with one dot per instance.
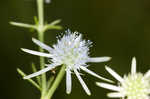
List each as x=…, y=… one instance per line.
x=132, y=86
x=71, y=51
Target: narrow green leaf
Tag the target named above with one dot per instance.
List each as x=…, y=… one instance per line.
x=30, y=80
x=55, y=22
x=50, y=81
x=23, y=25
x=50, y=27
x=35, y=70
x=36, y=20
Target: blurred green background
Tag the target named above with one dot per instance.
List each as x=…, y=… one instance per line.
x=118, y=28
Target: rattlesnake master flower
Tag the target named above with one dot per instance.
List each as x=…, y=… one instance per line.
x=71, y=51
x=132, y=86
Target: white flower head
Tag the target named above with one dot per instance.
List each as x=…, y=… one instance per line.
x=132, y=86
x=71, y=51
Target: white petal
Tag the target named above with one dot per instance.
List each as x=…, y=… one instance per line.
x=54, y=64
x=39, y=72
x=68, y=81
x=147, y=75
x=36, y=53
x=115, y=95
x=108, y=86
x=114, y=74
x=42, y=45
x=94, y=74
x=133, y=66
x=99, y=59
x=82, y=82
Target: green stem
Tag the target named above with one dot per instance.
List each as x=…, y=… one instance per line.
x=40, y=5
x=56, y=83
x=42, y=63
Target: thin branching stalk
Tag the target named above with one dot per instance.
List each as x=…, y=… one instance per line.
x=47, y=88
x=40, y=5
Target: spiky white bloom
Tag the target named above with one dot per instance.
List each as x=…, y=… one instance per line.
x=71, y=51
x=132, y=86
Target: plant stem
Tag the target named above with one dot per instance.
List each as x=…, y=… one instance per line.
x=56, y=82
x=40, y=5
x=42, y=63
